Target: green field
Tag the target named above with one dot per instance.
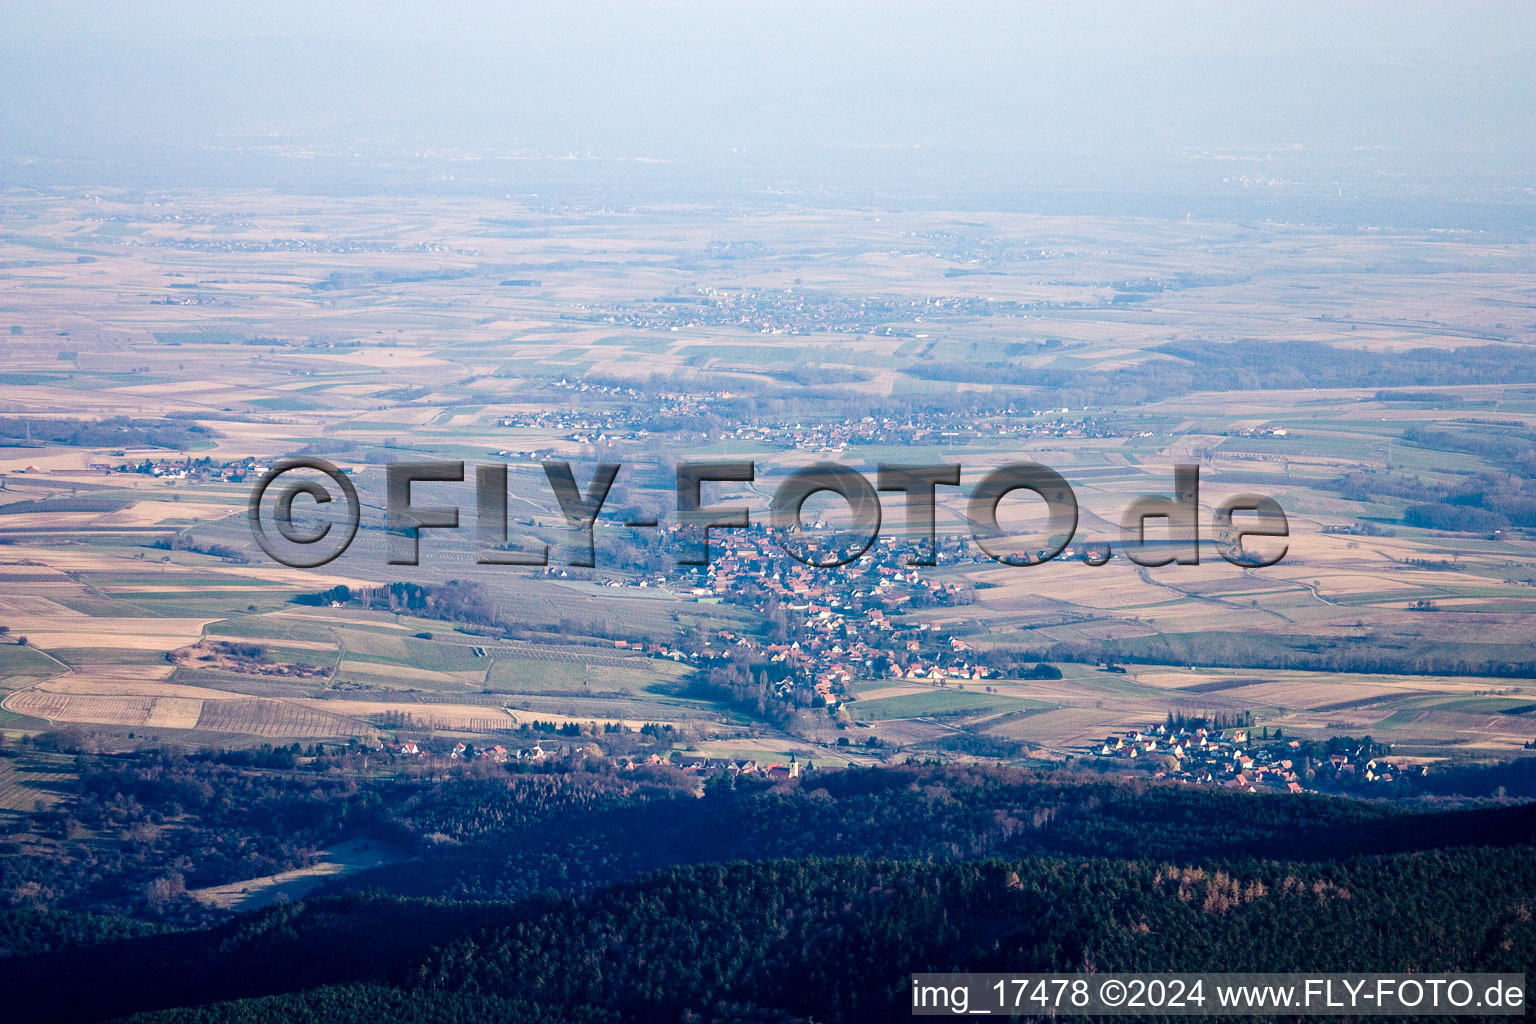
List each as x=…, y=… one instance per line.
x=940, y=703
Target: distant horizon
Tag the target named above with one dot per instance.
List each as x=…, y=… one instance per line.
x=1388, y=115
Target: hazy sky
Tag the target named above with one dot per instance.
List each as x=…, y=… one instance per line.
x=902, y=95
x=1232, y=27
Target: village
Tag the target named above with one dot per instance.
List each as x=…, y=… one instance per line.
x=827, y=629
x=1240, y=759
x=818, y=634
x=796, y=311
x=1232, y=758
x=548, y=753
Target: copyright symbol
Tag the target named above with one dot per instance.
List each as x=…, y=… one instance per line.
x=1112, y=992
x=304, y=549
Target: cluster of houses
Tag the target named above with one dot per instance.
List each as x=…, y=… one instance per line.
x=587, y=423
x=541, y=752
x=839, y=626
x=713, y=766
x=796, y=311
x=925, y=428
x=1237, y=759
x=667, y=412
x=665, y=409
x=345, y=246
x=460, y=751
x=186, y=467
x=1360, y=767
x=1211, y=757
x=495, y=753
x=603, y=426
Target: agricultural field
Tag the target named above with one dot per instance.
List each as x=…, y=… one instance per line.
x=33, y=780
x=338, y=861
x=160, y=350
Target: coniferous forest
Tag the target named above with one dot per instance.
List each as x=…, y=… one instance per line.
x=564, y=896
